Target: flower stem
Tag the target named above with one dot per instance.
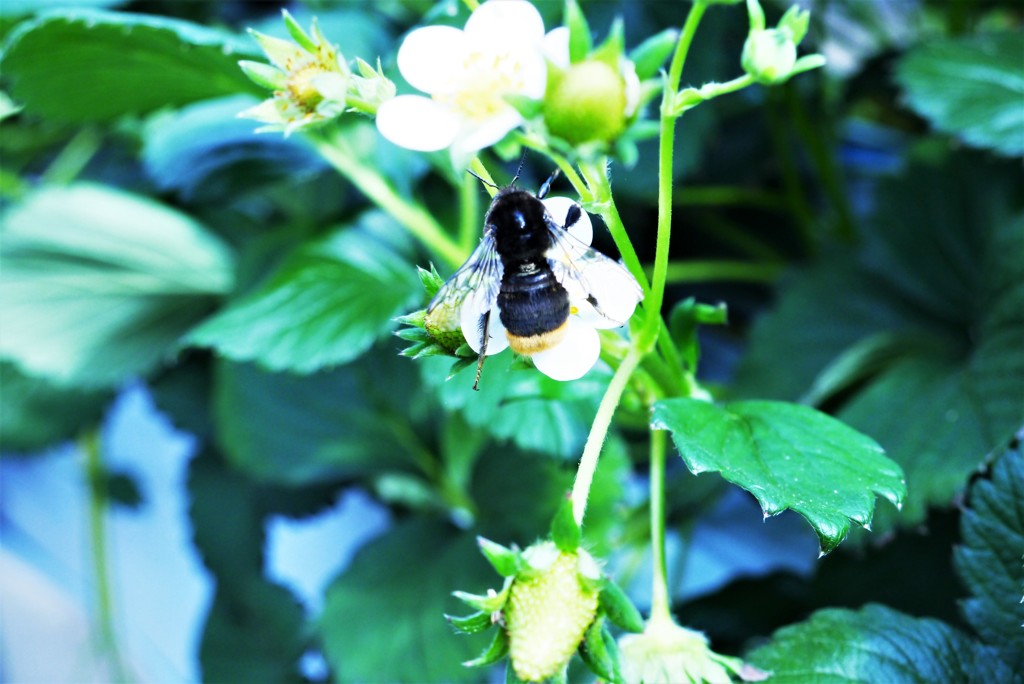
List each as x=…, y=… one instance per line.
x=105, y=633
x=598, y=432
x=414, y=217
x=706, y=271
x=653, y=325
x=661, y=604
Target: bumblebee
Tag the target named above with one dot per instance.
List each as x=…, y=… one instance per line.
x=531, y=273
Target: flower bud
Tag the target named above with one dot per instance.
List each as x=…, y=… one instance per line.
x=769, y=55
x=587, y=102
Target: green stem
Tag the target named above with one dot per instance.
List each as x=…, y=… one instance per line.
x=74, y=157
x=820, y=148
x=717, y=195
x=477, y=167
x=790, y=174
x=705, y=271
x=94, y=475
x=598, y=432
x=604, y=205
x=413, y=216
x=661, y=603
x=654, y=324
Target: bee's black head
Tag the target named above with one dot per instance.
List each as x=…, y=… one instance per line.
x=518, y=220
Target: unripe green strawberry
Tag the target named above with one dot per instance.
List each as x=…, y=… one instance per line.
x=549, y=610
x=443, y=325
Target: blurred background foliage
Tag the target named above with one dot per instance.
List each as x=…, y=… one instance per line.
x=863, y=223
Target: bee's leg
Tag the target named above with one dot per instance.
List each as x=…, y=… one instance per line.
x=546, y=188
x=484, y=320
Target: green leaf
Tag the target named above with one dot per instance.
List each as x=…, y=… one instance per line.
x=292, y=429
x=205, y=153
x=225, y=504
x=922, y=351
x=990, y=562
x=531, y=410
x=98, y=285
x=34, y=414
x=253, y=634
x=131, y=63
x=326, y=305
x=787, y=456
x=971, y=88
x=396, y=592
x=876, y=644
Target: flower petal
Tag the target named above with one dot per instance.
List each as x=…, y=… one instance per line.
x=505, y=21
x=432, y=58
x=615, y=291
x=477, y=135
x=470, y=323
x=558, y=207
x=556, y=46
x=331, y=85
x=573, y=356
x=417, y=123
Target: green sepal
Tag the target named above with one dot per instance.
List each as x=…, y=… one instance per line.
x=366, y=70
x=565, y=532
x=471, y=624
x=493, y=653
x=432, y=280
x=627, y=152
x=459, y=365
x=431, y=350
x=264, y=75
x=649, y=56
x=414, y=335
x=297, y=33
x=613, y=49
x=487, y=602
x=579, y=32
x=756, y=15
x=506, y=561
x=795, y=22
x=599, y=652
x=618, y=608
x=415, y=319
x=527, y=106
x=808, y=62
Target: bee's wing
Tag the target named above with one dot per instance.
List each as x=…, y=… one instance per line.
x=475, y=284
x=589, y=276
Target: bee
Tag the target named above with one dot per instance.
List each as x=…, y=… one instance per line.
x=532, y=270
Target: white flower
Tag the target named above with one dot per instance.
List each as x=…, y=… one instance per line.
x=577, y=346
x=309, y=80
x=467, y=74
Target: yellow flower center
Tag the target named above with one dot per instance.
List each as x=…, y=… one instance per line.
x=300, y=86
x=486, y=78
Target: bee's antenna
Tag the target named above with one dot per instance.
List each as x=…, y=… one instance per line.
x=546, y=188
x=482, y=180
x=522, y=160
